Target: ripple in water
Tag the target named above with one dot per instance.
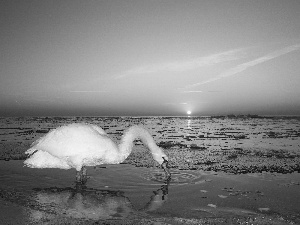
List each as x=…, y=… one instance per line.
x=177, y=177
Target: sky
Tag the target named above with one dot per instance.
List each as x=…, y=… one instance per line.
x=149, y=57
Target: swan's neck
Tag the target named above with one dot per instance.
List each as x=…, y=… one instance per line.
x=136, y=132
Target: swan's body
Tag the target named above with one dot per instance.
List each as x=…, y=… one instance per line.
x=80, y=145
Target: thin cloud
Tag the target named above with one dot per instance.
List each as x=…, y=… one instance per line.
x=240, y=68
x=186, y=65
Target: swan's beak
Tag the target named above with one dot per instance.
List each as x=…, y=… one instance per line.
x=165, y=166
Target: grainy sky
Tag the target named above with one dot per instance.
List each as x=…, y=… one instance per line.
x=149, y=57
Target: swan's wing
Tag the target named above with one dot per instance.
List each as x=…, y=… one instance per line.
x=36, y=142
x=82, y=140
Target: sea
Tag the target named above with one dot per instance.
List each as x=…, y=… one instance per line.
x=224, y=132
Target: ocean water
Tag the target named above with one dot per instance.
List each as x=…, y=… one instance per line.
x=274, y=133
x=233, y=144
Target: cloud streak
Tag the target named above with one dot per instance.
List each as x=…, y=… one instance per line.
x=244, y=66
x=182, y=66
x=83, y=91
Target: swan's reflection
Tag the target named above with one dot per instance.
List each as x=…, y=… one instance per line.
x=88, y=203
x=159, y=198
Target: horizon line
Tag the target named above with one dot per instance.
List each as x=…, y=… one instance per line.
x=230, y=114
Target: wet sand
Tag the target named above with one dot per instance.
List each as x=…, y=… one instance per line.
x=124, y=194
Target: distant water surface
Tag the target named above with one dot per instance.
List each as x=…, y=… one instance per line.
x=276, y=133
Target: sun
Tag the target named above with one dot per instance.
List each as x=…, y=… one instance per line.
x=188, y=112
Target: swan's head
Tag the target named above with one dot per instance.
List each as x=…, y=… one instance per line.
x=159, y=155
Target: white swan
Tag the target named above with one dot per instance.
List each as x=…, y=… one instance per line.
x=79, y=145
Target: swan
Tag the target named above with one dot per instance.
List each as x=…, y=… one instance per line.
x=79, y=145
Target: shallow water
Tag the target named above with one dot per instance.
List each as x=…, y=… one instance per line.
x=119, y=192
